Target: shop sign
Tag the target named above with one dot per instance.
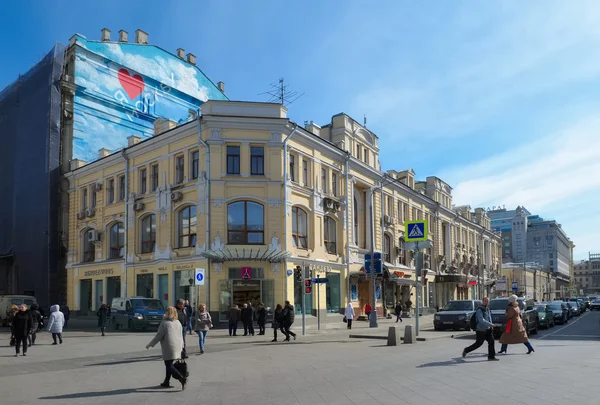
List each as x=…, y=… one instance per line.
x=186, y=266
x=143, y=271
x=472, y=283
x=100, y=272
x=399, y=273
x=246, y=273
x=500, y=285
x=162, y=268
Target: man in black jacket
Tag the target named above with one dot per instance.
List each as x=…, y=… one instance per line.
x=288, y=320
x=36, y=319
x=248, y=319
x=21, y=326
x=182, y=316
x=261, y=318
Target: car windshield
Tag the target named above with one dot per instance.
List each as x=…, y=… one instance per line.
x=147, y=304
x=458, y=306
x=541, y=308
x=556, y=306
x=596, y=302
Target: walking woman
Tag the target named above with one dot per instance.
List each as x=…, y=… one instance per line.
x=349, y=315
x=56, y=322
x=11, y=316
x=278, y=318
x=170, y=336
x=103, y=315
x=21, y=326
x=36, y=320
x=514, y=332
x=203, y=322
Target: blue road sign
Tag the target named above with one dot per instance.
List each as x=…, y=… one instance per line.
x=199, y=277
x=378, y=264
x=320, y=280
x=415, y=231
x=289, y=272
x=515, y=285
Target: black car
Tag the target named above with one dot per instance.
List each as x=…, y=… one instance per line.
x=570, y=311
x=455, y=315
x=575, y=307
x=595, y=305
x=559, y=311
x=529, y=314
x=545, y=315
x=580, y=305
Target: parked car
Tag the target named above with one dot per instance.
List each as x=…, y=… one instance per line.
x=575, y=307
x=569, y=307
x=587, y=302
x=455, y=315
x=6, y=301
x=560, y=312
x=545, y=314
x=136, y=312
x=580, y=305
x=595, y=305
x=529, y=314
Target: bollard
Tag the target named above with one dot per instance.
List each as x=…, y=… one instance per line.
x=409, y=334
x=394, y=338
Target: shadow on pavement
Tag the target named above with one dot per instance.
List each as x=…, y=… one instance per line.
x=153, y=389
x=453, y=362
x=126, y=361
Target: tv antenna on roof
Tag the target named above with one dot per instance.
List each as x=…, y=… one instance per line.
x=280, y=93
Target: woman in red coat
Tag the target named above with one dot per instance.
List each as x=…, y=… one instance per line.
x=368, y=309
x=515, y=331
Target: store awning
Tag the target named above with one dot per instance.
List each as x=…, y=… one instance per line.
x=246, y=254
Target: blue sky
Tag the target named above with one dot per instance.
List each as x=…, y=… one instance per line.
x=500, y=99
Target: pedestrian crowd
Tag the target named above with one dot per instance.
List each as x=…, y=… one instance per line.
x=25, y=323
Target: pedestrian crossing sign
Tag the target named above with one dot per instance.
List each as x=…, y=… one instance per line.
x=415, y=231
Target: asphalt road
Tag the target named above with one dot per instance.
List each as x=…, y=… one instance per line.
x=585, y=327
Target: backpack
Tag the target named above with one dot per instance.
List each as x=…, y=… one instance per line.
x=473, y=322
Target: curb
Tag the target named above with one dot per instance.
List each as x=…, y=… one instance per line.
x=419, y=339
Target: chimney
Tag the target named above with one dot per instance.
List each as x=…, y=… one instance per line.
x=103, y=153
x=133, y=139
x=191, y=58
x=141, y=37
x=163, y=125
x=180, y=53
x=123, y=37
x=105, y=37
x=221, y=86
x=77, y=163
x=313, y=128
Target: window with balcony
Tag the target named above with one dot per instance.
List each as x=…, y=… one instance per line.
x=257, y=160
x=179, y=169
x=299, y=228
x=143, y=180
x=154, y=180
x=195, y=160
x=187, y=227
x=330, y=235
x=148, y=233
x=245, y=223
x=116, y=241
x=233, y=160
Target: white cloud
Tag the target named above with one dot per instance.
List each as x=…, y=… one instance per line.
x=95, y=78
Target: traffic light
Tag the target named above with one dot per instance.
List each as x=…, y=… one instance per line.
x=308, y=290
x=299, y=274
x=308, y=286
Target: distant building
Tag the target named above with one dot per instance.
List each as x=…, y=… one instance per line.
x=587, y=275
x=513, y=226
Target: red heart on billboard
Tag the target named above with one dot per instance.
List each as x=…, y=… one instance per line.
x=133, y=85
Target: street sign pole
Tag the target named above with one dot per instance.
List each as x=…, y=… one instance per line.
x=318, y=304
x=419, y=263
x=303, y=300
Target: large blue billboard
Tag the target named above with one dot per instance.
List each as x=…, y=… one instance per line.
x=122, y=88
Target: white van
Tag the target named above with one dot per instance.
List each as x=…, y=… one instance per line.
x=6, y=301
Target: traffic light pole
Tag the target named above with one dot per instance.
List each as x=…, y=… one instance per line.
x=373, y=317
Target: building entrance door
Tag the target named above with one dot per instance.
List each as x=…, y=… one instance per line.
x=98, y=294
x=245, y=291
x=85, y=297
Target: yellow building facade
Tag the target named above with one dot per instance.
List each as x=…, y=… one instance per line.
x=249, y=196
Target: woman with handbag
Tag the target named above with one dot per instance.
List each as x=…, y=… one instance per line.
x=349, y=315
x=203, y=322
x=278, y=318
x=170, y=336
x=515, y=331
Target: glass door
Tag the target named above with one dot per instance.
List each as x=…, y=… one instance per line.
x=145, y=285
x=98, y=294
x=113, y=289
x=163, y=289
x=225, y=299
x=85, y=297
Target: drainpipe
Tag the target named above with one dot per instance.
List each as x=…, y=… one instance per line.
x=347, y=189
x=126, y=225
x=206, y=206
x=285, y=199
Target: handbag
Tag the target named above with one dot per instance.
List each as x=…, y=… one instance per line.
x=508, y=326
x=13, y=341
x=181, y=366
x=345, y=320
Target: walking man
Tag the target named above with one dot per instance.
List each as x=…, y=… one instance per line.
x=398, y=312
x=288, y=320
x=233, y=317
x=261, y=318
x=190, y=316
x=182, y=316
x=483, y=331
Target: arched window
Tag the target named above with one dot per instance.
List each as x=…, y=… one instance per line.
x=148, y=233
x=187, y=227
x=89, y=249
x=299, y=228
x=387, y=248
x=245, y=223
x=117, y=241
x=330, y=236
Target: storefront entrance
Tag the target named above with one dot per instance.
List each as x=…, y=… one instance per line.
x=145, y=285
x=113, y=289
x=246, y=291
x=85, y=297
x=237, y=291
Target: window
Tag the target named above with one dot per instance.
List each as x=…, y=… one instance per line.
x=400, y=211
x=518, y=243
x=506, y=237
x=257, y=160
x=507, y=251
x=245, y=223
x=179, y=167
x=329, y=237
x=143, y=182
x=551, y=255
x=111, y=191
x=387, y=248
x=324, y=180
x=305, y=172
x=154, y=177
x=299, y=225
x=414, y=214
x=121, y=188
x=551, y=262
x=148, y=233
x=93, y=202
x=195, y=158
x=366, y=156
x=404, y=212
x=388, y=206
x=518, y=236
x=334, y=184
x=233, y=160
x=358, y=148
x=84, y=198
x=292, y=167
x=355, y=217
x=187, y=227
x=117, y=241
x=89, y=249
